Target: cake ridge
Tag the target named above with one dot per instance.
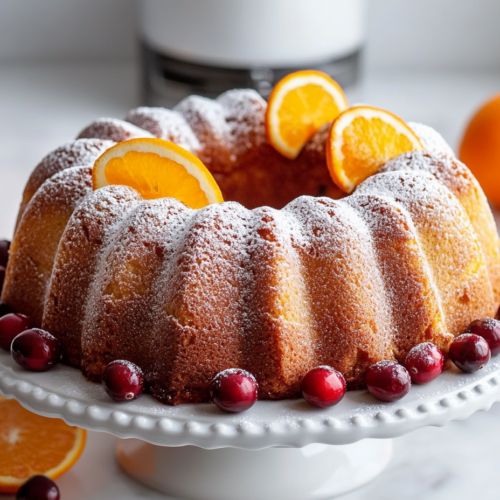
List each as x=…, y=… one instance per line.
x=41, y=227
x=74, y=267
x=81, y=152
x=448, y=215
x=120, y=295
x=459, y=180
x=113, y=129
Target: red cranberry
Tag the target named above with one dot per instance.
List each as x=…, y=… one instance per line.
x=11, y=325
x=4, y=252
x=388, y=380
x=234, y=390
x=489, y=329
x=323, y=387
x=2, y=277
x=122, y=380
x=424, y=363
x=4, y=309
x=38, y=488
x=470, y=352
x=36, y=350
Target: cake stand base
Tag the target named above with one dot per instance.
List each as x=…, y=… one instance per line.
x=315, y=472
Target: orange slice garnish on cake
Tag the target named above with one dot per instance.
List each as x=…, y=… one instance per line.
x=361, y=140
x=299, y=105
x=157, y=169
x=31, y=444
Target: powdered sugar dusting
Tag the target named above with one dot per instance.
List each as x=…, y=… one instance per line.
x=431, y=139
x=447, y=169
x=448, y=242
x=113, y=129
x=205, y=117
x=244, y=110
x=165, y=124
x=82, y=152
x=67, y=188
x=318, y=140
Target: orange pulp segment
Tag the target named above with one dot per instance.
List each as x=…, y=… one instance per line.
x=299, y=105
x=157, y=169
x=361, y=140
x=31, y=444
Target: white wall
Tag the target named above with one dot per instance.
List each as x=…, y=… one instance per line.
x=437, y=34
x=434, y=34
x=64, y=29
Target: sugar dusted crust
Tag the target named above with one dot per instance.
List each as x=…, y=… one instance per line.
x=269, y=281
x=112, y=129
x=79, y=153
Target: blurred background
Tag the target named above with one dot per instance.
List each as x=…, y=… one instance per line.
x=65, y=62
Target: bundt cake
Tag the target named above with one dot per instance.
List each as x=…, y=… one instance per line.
x=282, y=277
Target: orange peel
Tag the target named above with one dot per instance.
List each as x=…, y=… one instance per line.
x=361, y=140
x=157, y=169
x=31, y=444
x=299, y=105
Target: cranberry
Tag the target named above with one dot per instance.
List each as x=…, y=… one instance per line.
x=38, y=488
x=424, y=363
x=2, y=277
x=36, y=350
x=4, y=309
x=234, y=390
x=470, y=352
x=11, y=325
x=388, y=380
x=122, y=380
x=4, y=252
x=489, y=329
x=323, y=387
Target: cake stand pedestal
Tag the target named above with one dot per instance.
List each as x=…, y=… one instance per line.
x=276, y=450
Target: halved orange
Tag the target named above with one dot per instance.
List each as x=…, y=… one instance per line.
x=361, y=140
x=299, y=105
x=157, y=169
x=31, y=444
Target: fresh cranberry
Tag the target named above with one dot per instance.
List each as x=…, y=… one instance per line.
x=36, y=350
x=323, y=387
x=470, y=352
x=234, y=390
x=424, y=363
x=4, y=252
x=38, y=488
x=489, y=329
x=2, y=277
x=11, y=325
x=388, y=380
x=122, y=380
x=4, y=309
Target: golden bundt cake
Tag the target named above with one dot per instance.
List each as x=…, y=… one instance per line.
x=272, y=281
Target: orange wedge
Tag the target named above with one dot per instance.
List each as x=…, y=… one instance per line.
x=157, y=169
x=361, y=140
x=31, y=444
x=299, y=105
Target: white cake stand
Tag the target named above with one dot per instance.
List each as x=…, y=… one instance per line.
x=280, y=450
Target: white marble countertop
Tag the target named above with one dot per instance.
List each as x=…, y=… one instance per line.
x=41, y=107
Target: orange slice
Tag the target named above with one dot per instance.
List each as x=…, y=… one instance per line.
x=299, y=105
x=31, y=444
x=157, y=169
x=361, y=140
